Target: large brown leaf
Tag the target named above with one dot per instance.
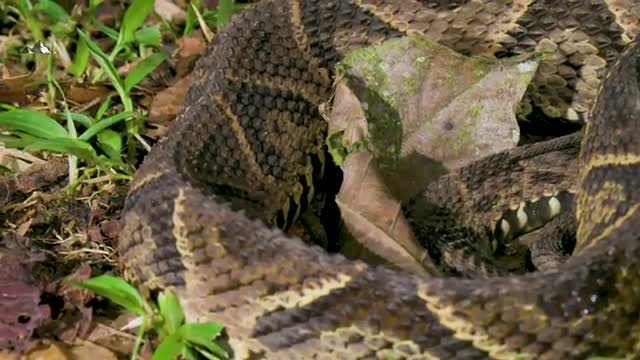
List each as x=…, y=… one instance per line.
x=409, y=111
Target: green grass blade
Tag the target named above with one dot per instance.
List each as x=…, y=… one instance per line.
x=107, y=65
x=192, y=20
x=81, y=58
x=111, y=143
x=66, y=146
x=134, y=18
x=142, y=69
x=113, y=34
x=116, y=290
x=171, y=311
x=103, y=124
x=83, y=119
x=103, y=108
x=148, y=35
x=17, y=141
x=32, y=123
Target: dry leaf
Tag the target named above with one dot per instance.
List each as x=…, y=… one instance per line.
x=166, y=103
x=169, y=11
x=426, y=109
x=374, y=218
x=53, y=351
x=21, y=312
x=89, y=351
x=410, y=111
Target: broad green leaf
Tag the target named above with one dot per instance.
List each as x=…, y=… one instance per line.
x=103, y=107
x=169, y=348
x=111, y=143
x=190, y=354
x=67, y=146
x=32, y=123
x=116, y=290
x=201, y=333
x=83, y=119
x=134, y=18
x=51, y=10
x=142, y=69
x=224, y=13
x=149, y=35
x=207, y=355
x=81, y=59
x=204, y=334
x=103, y=124
x=171, y=311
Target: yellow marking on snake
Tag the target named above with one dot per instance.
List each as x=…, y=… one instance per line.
x=605, y=232
x=463, y=329
x=598, y=160
x=241, y=137
x=147, y=178
x=299, y=34
x=377, y=342
x=290, y=299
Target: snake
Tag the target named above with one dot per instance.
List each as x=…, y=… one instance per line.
x=206, y=211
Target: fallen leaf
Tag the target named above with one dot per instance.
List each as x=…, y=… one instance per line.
x=89, y=351
x=52, y=351
x=83, y=93
x=110, y=229
x=166, y=103
x=21, y=312
x=423, y=109
x=407, y=112
x=169, y=11
x=190, y=50
x=13, y=88
x=106, y=333
x=374, y=218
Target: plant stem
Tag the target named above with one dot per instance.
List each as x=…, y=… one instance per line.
x=139, y=336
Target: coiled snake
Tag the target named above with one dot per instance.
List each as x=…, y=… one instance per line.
x=249, y=138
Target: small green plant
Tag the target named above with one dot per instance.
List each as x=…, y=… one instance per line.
x=165, y=317
x=124, y=86
x=219, y=17
x=32, y=131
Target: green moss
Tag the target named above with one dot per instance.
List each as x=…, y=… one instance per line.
x=422, y=41
x=481, y=67
x=473, y=111
x=339, y=148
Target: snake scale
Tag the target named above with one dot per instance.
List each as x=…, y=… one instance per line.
x=246, y=152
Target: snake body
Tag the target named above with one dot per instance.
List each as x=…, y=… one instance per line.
x=246, y=154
